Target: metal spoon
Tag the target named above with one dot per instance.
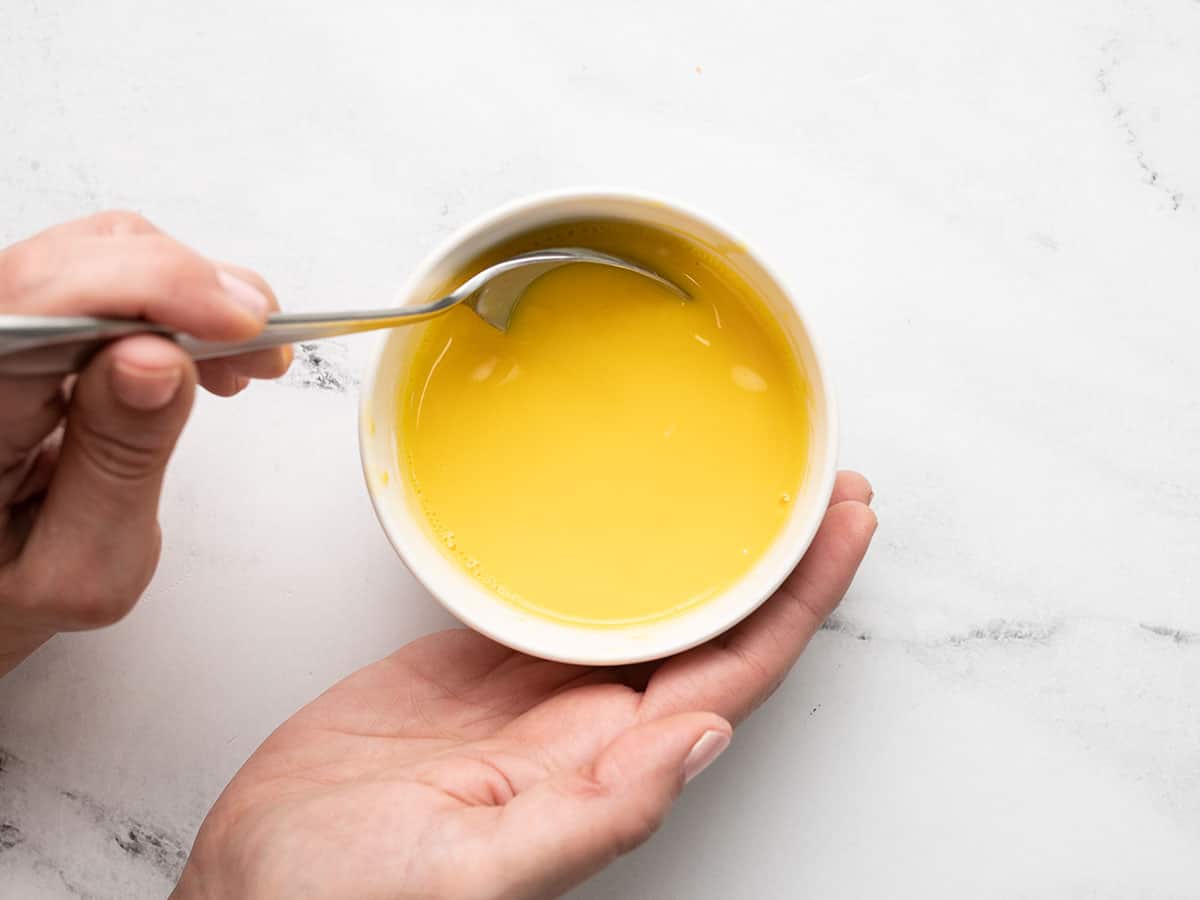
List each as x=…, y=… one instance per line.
x=54, y=345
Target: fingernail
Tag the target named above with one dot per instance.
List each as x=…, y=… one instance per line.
x=870, y=497
x=146, y=389
x=243, y=382
x=245, y=294
x=703, y=753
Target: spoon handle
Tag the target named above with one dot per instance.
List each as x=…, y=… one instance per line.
x=59, y=345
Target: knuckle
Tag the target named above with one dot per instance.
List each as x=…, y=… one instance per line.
x=119, y=458
x=121, y=221
x=95, y=607
x=53, y=597
x=176, y=270
x=757, y=670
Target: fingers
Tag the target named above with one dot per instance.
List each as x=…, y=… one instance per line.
x=557, y=833
x=95, y=543
x=119, y=264
x=734, y=674
x=132, y=276
x=851, y=486
x=220, y=379
x=814, y=589
x=41, y=469
x=848, y=486
x=217, y=374
x=30, y=408
x=228, y=376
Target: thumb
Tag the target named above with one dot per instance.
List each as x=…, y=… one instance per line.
x=564, y=829
x=96, y=540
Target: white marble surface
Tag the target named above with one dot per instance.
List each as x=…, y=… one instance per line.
x=992, y=213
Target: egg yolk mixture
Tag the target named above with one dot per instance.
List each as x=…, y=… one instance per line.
x=619, y=455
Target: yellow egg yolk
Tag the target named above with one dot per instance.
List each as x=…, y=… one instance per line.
x=618, y=455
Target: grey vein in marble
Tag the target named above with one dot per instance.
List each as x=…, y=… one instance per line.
x=841, y=626
x=163, y=851
x=323, y=366
x=1178, y=635
x=1002, y=631
x=79, y=844
x=1150, y=172
x=10, y=835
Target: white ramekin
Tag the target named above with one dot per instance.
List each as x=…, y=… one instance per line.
x=469, y=600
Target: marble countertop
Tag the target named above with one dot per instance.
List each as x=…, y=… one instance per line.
x=991, y=213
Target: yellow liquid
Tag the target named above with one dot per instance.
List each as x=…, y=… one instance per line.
x=619, y=455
